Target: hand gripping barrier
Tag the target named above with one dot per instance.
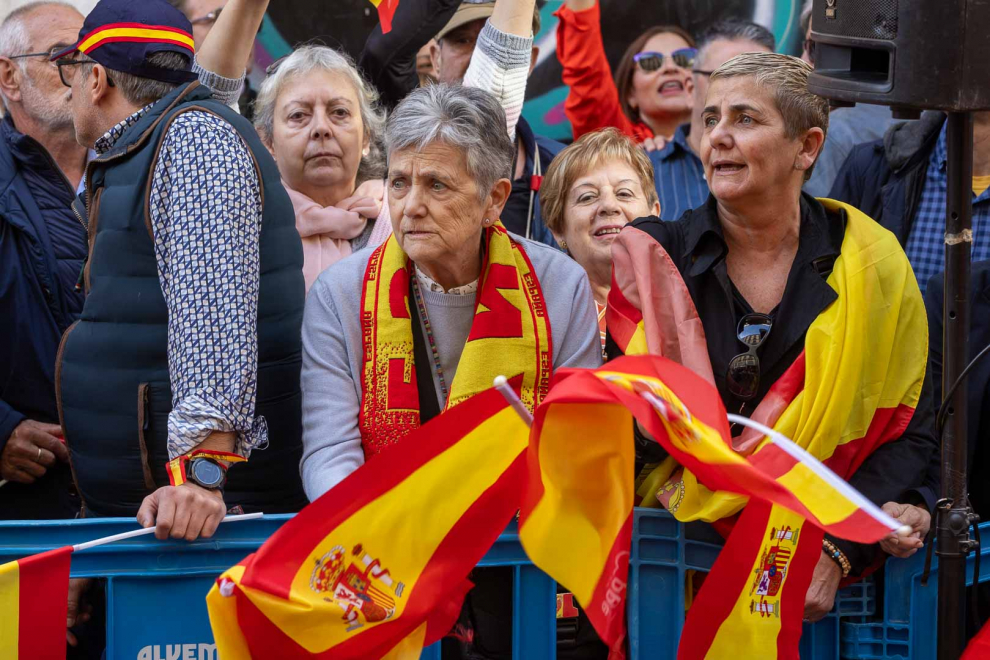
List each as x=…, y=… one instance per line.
x=156, y=590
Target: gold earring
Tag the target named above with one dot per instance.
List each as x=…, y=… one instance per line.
x=563, y=245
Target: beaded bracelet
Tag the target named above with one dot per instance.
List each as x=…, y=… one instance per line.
x=836, y=555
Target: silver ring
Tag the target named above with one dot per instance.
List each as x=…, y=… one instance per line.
x=38, y=460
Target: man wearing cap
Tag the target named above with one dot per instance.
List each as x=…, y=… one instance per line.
x=187, y=353
x=477, y=43
x=42, y=245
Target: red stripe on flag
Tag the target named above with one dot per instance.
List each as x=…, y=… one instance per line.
x=607, y=609
x=441, y=584
x=289, y=547
x=621, y=316
x=799, y=574
x=888, y=424
x=732, y=572
x=43, y=603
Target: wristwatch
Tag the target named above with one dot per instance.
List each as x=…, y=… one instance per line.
x=206, y=473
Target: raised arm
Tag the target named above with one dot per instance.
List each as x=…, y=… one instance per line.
x=223, y=56
x=503, y=57
x=227, y=47
x=593, y=99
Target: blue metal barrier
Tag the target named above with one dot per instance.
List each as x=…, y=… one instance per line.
x=156, y=590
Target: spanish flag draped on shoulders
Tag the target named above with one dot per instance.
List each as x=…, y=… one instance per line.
x=842, y=373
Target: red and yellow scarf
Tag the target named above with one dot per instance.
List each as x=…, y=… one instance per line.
x=510, y=336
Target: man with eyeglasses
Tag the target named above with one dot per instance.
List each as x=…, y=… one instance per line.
x=42, y=246
x=678, y=172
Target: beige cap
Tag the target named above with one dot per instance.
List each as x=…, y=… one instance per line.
x=471, y=10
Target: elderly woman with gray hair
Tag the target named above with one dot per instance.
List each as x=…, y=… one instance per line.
x=803, y=313
x=322, y=122
x=466, y=300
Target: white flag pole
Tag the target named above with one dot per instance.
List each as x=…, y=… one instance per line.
x=150, y=530
x=502, y=385
x=827, y=475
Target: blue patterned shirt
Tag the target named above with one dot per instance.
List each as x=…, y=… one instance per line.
x=926, y=244
x=205, y=209
x=679, y=176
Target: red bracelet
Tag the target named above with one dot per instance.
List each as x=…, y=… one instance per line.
x=176, y=467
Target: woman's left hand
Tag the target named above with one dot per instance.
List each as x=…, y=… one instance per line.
x=917, y=518
x=821, y=593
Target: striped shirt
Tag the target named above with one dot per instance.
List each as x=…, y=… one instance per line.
x=679, y=176
x=925, y=245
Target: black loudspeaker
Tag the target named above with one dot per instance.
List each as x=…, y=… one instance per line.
x=909, y=54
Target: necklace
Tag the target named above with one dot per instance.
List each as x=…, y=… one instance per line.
x=421, y=306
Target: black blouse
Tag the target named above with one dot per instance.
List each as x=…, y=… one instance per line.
x=697, y=247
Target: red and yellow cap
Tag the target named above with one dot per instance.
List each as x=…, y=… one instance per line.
x=122, y=34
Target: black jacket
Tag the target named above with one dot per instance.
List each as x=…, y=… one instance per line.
x=884, y=179
x=697, y=248
x=42, y=245
x=977, y=382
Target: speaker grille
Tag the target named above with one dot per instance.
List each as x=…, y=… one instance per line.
x=866, y=19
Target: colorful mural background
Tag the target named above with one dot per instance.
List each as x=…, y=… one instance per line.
x=346, y=24
x=295, y=21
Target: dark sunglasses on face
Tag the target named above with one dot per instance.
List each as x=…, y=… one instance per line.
x=652, y=61
x=742, y=377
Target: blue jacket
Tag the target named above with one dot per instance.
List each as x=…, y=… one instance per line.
x=112, y=371
x=884, y=179
x=42, y=245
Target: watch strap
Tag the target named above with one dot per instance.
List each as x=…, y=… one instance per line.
x=176, y=467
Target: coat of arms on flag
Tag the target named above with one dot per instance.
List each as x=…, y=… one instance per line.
x=364, y=590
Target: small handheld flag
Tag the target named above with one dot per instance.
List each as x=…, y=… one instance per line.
x=386, y=10
x=34, y=595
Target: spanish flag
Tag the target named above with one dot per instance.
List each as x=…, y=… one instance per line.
x=386, y=10
x=581, y=461
x=377, y=567
x=853, y=388
x=34, y=594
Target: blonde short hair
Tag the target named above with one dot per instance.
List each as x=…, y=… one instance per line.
x=585, y=154
x=786, y=78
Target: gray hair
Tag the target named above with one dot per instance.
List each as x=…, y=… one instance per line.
x=786, y=79
x=142, y=91
x=469, y=119
x=736, y=29
x=14, y=37
x=311, y=58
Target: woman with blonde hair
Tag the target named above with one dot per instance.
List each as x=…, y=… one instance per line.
x=592, y=189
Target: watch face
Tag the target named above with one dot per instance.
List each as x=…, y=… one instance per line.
x=207, y=473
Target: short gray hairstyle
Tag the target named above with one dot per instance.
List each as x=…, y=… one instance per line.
x=14, y=37
x=142, y=91
x=786, y=79
x=469, y=119
x=311, y=58
x=736, y=29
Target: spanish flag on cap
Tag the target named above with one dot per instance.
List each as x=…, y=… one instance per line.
x=122, y=34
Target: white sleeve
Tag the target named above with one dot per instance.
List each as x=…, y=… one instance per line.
x=500, y=65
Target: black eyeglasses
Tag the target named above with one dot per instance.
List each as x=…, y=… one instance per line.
x=65, y=61
x=653, y=61
x=48, y=55
x=742, y=377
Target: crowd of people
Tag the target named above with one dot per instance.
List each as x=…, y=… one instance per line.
x=216, y=300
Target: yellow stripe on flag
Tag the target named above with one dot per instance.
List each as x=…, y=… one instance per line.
x=754, y=622
x=404, y=546
x=580, y=503
x=9, y=598
x=230, y=641
x=375, y=2
x=410, y=648
x=140, y=33
x=817, y=493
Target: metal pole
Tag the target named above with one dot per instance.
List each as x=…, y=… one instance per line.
x=954, y=516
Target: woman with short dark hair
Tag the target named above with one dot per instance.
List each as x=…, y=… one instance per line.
x=651, y=92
